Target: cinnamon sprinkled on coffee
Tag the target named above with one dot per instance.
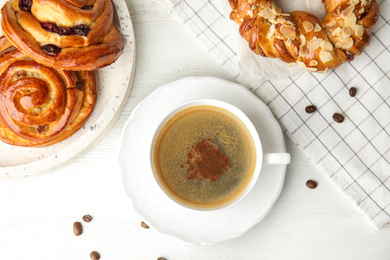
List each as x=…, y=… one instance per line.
x=206, y=161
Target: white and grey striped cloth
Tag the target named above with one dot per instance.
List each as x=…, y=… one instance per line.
x=354, y=155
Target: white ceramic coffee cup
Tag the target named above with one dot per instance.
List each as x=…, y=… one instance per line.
x=261, y=159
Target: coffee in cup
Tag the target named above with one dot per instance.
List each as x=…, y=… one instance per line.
x=204, y=156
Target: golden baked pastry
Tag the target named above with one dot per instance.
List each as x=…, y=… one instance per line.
x=63, y=34
x=40, y=106
x=301, y=38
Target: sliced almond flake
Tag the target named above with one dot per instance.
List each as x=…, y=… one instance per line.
x=301, y=64
x=271, y=31
x=337, y=44
x=364, y=2
x=336, y=31
x=338, y=9
x=254, y=7
x=289, y=42
x=347, y=11
x=346, y=31
x=303, y=50
x=265, y=5
x=340, y=23
x=326, y=45
x=273, y=21
x=276, y=10
x=355, y=2
x=251, y=1
x=288, y=31
x=358, y=30
x=332, y=23
x=285, y=14
x=267, y=14
x=311, y=69
x=361, y=10
x=342, y=38
x=347, y=44
x=250, y=13
x=303, y=38
x=292, y=64
x=350, y=21
x=281, y=20
x=308, y=26
x=313, y=63
x=315, y=43
x=325, y=56
x=317, y=28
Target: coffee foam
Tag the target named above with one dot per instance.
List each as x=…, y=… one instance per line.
x=177, y=137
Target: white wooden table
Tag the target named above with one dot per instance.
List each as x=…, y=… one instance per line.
x=37, y=213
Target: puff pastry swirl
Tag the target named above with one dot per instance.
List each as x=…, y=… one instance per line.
x=64, y=34
x=40, y=106
x=301, y=38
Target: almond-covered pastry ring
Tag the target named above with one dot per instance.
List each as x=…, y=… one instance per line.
x=64, y=34
x=40, y=106
x=301, y=38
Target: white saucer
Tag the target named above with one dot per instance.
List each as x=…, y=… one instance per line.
x=151, y=203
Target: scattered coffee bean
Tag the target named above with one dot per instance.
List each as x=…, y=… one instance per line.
x=339, y=118
x=94, y=255
x=352, y=91
x=161, y=258
x=87, y=218
x=143, y=224
x=310, y=109
x=77, y=228
x=311, y=184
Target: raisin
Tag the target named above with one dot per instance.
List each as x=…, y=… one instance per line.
x=52, y=27
x=63, y=31
x=87, y=7
x=80, y=85
x=42, y=129
x=51, y=49
x=25, y=5
x=80, y=30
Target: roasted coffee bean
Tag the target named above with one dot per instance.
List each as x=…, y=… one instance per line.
x=311, y=184
x=352, y=91
x=94, y=255
x=77, y=228
x=310, y=109
x=87, y=218
x=143, y=224
x=339, y=118
x=161, y=258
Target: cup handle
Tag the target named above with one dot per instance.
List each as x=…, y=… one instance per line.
x=277, y=158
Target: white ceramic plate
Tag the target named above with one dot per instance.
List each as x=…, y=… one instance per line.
x=114, y=85
x=149, y=200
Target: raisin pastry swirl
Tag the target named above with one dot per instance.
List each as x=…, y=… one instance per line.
x=64, y=34
x=40, y=106
x=301, y=38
